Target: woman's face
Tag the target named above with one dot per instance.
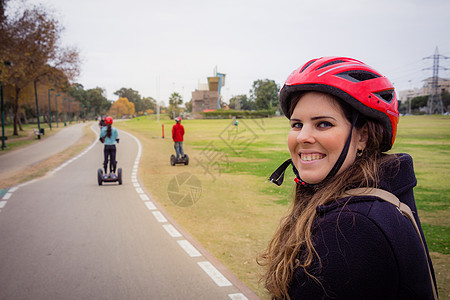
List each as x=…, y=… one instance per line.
x=319, y=130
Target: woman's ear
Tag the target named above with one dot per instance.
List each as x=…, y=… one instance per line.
x=362, y=137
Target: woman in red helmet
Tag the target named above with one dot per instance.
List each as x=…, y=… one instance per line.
x=337, y=241
x=109, y=136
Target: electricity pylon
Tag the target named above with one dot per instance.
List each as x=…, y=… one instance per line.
x=434, y=105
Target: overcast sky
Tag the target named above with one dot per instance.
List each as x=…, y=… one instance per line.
x=165, y=46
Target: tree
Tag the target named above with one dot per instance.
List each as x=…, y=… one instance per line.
x=30, y=42
x=188, y=106
x=78, y=92
x=174, y=100
x=264, y=93
x=148, y=103
x=419, y=102
x=242, y=102
x=446, y=100
x=121, y=108
x=2, y=11
x=132, y=96
x=97, y=100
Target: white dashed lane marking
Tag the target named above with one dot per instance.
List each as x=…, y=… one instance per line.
x=237, y=296
x=150, y=205
x=7, y=196
x=13, y=189
x=144, y=197
x=190, y=250
x=215, y=275
x=171, y=230
x=159, y=216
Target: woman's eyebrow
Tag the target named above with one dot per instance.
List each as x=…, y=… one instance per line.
x=313, y=118
x=323, y=117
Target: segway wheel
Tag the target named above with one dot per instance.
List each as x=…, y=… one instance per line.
x=100, y=176
x=186, y=159
x=119, y=175
x=173, y=160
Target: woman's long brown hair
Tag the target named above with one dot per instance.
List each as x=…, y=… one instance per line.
x=292, y=245
x=108, y=130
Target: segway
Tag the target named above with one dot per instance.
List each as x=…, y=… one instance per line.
x=182, y=160
x=100, y=178
x=117, y=178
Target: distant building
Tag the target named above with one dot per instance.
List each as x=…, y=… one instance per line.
x=425, y=90
x=443, y=85
x=207, y=96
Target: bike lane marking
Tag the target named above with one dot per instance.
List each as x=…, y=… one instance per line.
x=218, y=278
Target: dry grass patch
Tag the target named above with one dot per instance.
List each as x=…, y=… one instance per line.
x=441, y=264
x=435, y=218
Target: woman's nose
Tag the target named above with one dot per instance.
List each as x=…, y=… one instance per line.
x=306, y=135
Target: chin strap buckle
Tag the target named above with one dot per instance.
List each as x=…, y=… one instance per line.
x=301, y=182
x=277, y=177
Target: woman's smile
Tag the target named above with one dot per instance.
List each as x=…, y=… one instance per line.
x=310, y=157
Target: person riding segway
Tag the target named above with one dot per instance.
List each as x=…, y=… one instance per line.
x=102, y=123
x=110, y=137
x=177, y=136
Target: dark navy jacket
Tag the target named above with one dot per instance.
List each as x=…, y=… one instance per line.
x=368, y=249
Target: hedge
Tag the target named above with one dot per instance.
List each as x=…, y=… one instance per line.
x=239, y=114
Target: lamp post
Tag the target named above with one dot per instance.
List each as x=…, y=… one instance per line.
x=70, y=117
x=37, y=110
x=4, y=138
x=81, y=113
x=65, y=124
x=49, y=110
x=3, y=119
x=56, y=105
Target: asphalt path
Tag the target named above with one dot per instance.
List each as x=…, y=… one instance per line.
x=66, y=237
x=20, y=159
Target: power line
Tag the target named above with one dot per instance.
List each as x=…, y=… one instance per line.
x=405, y=75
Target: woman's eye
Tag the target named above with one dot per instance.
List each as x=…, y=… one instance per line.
x=325, y=124
x=297, y=125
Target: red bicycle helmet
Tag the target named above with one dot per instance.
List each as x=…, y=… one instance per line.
x=356, y=83
x=108, y=120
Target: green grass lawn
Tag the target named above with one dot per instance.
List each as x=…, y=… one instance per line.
x=238, y=209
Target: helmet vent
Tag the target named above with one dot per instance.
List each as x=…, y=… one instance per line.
x=334, y=62
x=358, y=76
x=386, y=96
x=307, y=65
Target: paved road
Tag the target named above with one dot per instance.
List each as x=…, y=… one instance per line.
x=28, y=156
x=65, y=237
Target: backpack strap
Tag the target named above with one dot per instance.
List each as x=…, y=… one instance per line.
x=403, y=208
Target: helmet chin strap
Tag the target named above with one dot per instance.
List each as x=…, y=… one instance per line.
x=277, y=177
x=344, y=152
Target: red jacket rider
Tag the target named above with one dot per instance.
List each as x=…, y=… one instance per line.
x=177, y=131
